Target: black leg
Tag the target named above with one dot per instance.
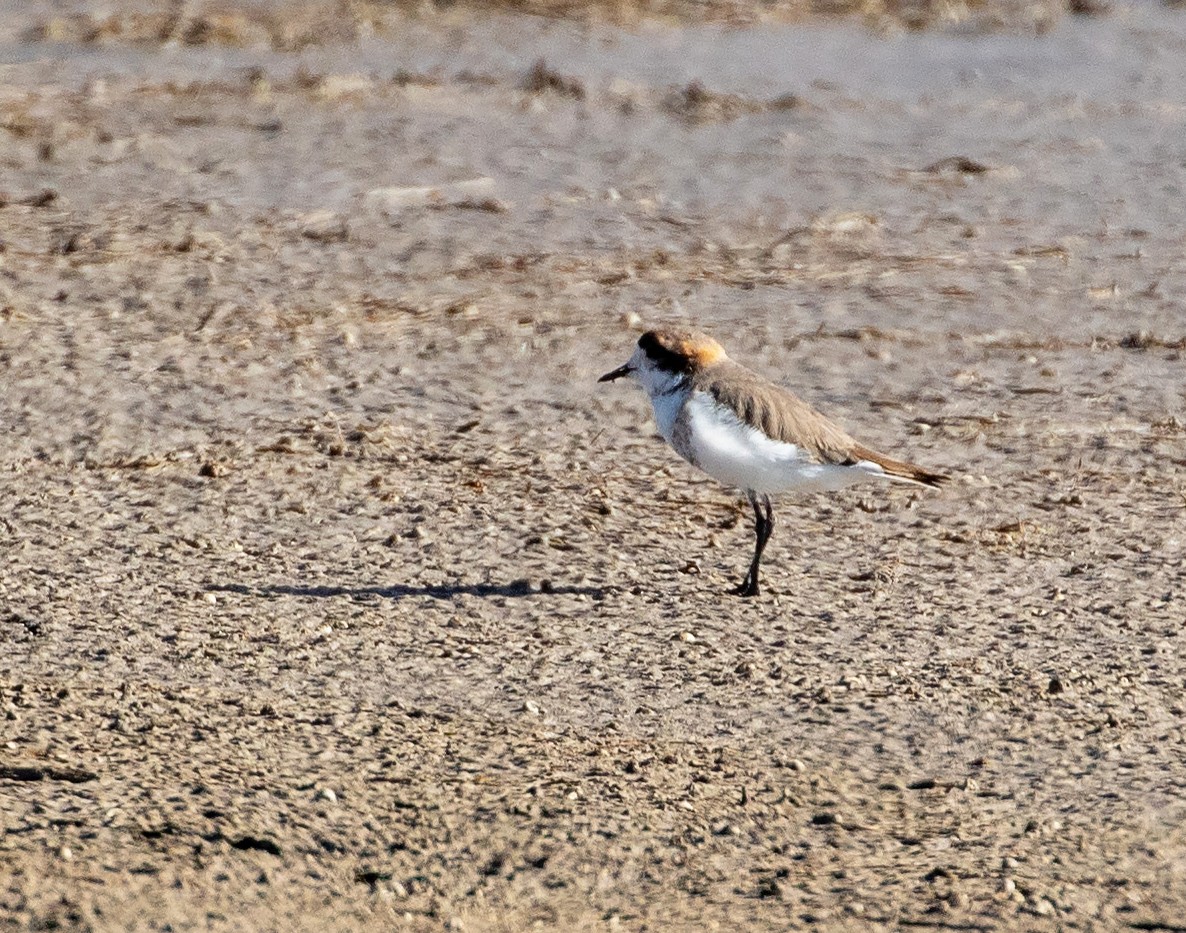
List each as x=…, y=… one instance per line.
x=749, y=586
x=763, y=528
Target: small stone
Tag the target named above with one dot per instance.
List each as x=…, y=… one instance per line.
x=687, y=637
x=336, y=87
x=532, y=707
x=324, y=227
x=327, y=794
x=796, y=764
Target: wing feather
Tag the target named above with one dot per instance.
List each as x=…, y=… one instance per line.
x=777, y=412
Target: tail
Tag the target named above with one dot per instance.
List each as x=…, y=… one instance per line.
x=899, y=469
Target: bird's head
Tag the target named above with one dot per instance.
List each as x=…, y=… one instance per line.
x=665, y=358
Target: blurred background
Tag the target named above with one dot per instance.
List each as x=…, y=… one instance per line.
x=418, y=172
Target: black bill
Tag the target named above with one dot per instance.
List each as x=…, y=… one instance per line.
x=616, y=374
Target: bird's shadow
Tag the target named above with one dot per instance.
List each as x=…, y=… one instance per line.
x=516, y=588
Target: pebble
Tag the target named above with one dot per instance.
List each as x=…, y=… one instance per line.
x=335, y=87
x=393, y=199
x=324, y=227
x=327, y=794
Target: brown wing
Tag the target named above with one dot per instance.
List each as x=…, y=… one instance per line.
x=776, y=411
x=786, y=417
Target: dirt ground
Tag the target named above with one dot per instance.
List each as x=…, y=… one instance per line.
x=337, y=595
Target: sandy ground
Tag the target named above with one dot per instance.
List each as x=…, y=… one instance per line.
x=336, y=595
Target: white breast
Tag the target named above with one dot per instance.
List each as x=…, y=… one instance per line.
x=740, y=455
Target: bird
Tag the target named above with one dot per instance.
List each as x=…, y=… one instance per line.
x=745, y=431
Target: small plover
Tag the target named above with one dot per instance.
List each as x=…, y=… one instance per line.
x=748, y=432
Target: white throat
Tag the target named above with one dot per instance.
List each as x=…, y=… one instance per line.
x=667, y=392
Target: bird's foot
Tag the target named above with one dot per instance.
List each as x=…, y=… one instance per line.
x=747, y=588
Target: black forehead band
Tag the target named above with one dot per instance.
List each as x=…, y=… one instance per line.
x=664, y=358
